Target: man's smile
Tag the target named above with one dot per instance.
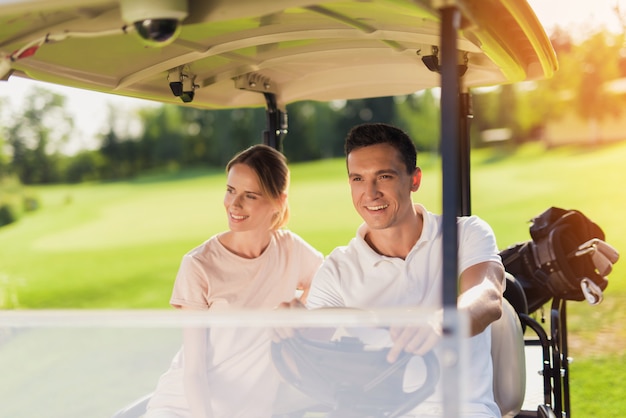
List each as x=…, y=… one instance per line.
x=379, y=207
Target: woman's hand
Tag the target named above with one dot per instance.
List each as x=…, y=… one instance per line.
x=283, y=333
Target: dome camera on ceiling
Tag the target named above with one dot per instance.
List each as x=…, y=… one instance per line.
x=158, y=22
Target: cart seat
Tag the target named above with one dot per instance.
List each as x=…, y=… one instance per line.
x=509, y=361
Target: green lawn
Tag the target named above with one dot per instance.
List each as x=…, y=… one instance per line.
x=118, y=245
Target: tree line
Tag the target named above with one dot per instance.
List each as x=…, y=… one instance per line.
x=176, y=136
x=173, y=136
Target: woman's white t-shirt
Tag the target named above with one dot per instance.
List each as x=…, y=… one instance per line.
x=242, y=378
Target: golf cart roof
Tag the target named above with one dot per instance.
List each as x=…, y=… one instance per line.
x=227, y=51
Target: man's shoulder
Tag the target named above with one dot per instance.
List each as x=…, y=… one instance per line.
x=344, y=254
x=461, y=220
x=344, y=251
x=466, y=224
x=473, y=221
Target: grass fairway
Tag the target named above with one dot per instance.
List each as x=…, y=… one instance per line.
x=118, y=245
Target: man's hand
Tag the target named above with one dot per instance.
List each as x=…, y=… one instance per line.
x=416, y=340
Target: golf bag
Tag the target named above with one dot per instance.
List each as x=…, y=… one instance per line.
x=567, y=258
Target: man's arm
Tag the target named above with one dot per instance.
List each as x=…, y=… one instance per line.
x=481, y=287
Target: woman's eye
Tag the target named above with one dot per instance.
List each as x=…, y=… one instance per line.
x=251, y=196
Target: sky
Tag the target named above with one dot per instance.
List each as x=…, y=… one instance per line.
x=572, y=14
x=90, y=109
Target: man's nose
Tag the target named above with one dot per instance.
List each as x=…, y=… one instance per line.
x=371, y=189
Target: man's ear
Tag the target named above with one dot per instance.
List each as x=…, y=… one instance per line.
x=416, y=179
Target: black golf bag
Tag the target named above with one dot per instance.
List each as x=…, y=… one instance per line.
x=567, y=259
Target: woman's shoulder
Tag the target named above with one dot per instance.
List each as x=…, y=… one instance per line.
x=285, y=237
x=208, y=247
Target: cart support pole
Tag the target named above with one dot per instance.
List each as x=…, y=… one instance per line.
x=465, y=208
x=450, y=157
x=450, y=151
x=276, y=121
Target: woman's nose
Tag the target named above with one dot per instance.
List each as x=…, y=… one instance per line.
x=238, y=201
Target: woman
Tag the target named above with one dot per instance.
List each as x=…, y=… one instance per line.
x=225, y=372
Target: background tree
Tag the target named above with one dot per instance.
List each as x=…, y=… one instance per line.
x=311, y=135
x=358, y=111
x=211, y=137
x=86, y=165
x=170, y=136
x=600, y=58
x=118, y=155
x=37, y=135
x=4, y=146
x=419, y=115
x=580, y=85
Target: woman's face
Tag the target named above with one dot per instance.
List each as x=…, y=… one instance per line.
x=246, y=206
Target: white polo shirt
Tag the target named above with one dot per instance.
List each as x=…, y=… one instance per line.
x=356, y=276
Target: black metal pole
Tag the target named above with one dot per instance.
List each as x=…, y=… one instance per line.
x=565, y=360
x=466, y=115
x=555, y=340
x=276, y=121
x=450, y=110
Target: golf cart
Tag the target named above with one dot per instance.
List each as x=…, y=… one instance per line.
x=247, y=53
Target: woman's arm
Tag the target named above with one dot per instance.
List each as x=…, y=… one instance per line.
x=195, y=374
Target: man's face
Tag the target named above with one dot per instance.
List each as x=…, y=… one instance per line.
x=381, y=188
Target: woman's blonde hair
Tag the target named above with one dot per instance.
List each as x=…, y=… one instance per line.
x=271, y=168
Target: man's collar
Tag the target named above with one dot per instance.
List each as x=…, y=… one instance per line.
x=429, y=232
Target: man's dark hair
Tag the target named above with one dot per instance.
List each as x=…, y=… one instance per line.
x=368, y=134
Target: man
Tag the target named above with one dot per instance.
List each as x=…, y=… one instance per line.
x=395, y=260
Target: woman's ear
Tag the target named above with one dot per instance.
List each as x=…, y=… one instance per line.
x=282, y=201
x=416, y=179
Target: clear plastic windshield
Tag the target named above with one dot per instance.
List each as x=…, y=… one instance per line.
x=283, y=363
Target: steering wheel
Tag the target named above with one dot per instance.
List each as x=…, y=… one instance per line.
x=350, y=377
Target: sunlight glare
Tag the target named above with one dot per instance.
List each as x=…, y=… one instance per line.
x=576, y=16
